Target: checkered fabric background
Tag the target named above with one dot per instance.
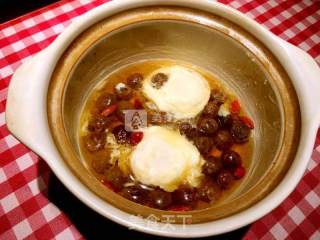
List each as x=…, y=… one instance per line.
x=25, y=212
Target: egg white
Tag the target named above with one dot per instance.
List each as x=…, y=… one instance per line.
x=166, y=159
x=184, y=94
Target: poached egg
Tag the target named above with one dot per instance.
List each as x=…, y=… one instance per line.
x=184, y=94
x=166, y=159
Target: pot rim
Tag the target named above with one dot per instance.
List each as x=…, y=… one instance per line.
x=290, y=132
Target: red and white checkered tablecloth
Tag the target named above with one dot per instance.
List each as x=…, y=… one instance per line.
x=25, y=212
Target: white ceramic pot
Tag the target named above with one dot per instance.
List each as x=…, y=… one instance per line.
x=26, y=114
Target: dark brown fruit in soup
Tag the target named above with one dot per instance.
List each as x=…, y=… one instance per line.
x=223, y=139
x=160, y=199
x=224, y=179
x=184, y=195
x=211, y=109
x=207, y=126
x=239, y=131
x=135, y=80
x=208, y=191
x=188, y=130
x=122, y=91
x=204, y=144
x=231, y=159
x=135, y=193
x=95, y=141
x=225, y=122
x=212, y=166
x=158, y=80
x=105, y=100
x=99, y=123
x=121, y=135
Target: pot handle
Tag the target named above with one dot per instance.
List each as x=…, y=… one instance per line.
x=26, y=104
x=308, y=70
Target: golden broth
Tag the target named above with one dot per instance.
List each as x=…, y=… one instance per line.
x=145, y=68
